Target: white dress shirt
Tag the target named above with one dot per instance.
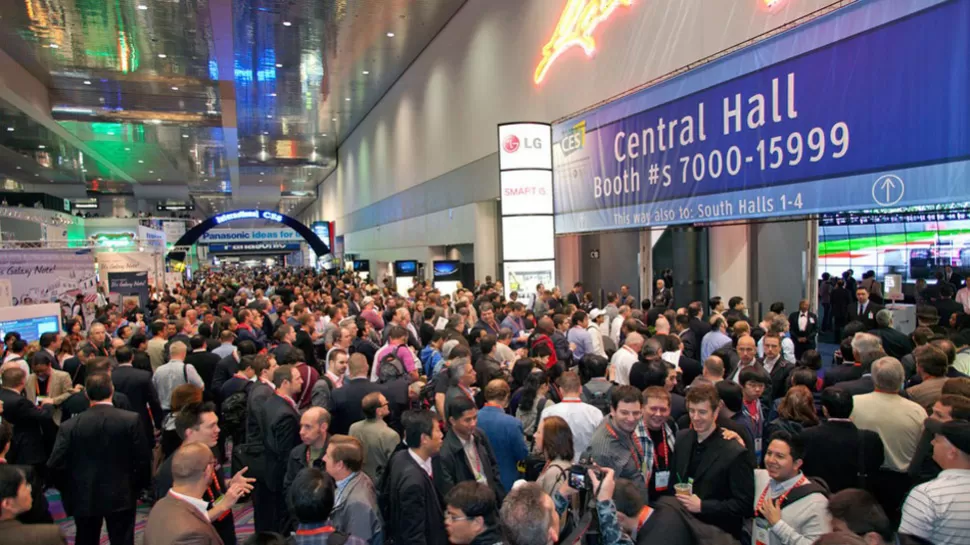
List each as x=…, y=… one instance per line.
x=200, y=505
x=622, y=362
x=582, y=418
x=425, y=464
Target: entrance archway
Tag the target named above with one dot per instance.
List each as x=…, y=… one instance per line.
x=192, y=236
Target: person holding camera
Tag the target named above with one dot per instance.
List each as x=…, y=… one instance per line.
x=530, y=516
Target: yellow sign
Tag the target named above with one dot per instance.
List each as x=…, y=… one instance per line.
x=576, y=25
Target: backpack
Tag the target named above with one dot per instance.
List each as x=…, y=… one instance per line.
x=599, y=398
x=390, y=368
x=426, y=395
x=233, y=418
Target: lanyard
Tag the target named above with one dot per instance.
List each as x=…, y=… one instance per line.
x=661, y=449
x=635, y=449
x=644, y=515
x=781, y=499
x=214, y=497
x=316, y=531
x=290, y=401
x=468, y=393
x=496, y=405
x=571, y=401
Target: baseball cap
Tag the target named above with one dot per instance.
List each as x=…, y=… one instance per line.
x=956, y=432
x=596, y=313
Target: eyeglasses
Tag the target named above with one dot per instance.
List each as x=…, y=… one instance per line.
x=453, y=518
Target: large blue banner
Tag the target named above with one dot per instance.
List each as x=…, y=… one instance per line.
x=876, y=118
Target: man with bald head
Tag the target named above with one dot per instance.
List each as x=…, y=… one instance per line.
x=182, y=516
x=314, y=425
x=747, y=355
x=624, y=358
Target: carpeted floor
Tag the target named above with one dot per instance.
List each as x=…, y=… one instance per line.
x=243, y=514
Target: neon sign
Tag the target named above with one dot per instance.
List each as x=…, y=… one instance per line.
x=576, y=25
x=249, y=214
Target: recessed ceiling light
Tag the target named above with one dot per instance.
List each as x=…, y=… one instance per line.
x=127, y=149
x=365, y=72
x=111, y=133
x=260, y=181
x=269, y=116
x=262, y=174
x=10, y=129
x=141, y=162
x=334, y=119
x=175, y=88
x=272, y=94
x=265, y=133
x=151, y=172
x=87, y=82
x=347, y=99
x=185, y=136
x=54, y=46
x=325, y=134
x=287, y=23
x=41, y=146
x=19, y=168
x=159, y=179
x=390, y=34
x=162, y=55
x=142, y=7
x=278, y=65
x=36, y=175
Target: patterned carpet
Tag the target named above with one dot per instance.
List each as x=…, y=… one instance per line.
x=243, y=514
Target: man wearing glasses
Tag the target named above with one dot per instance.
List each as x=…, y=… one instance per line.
x=378, y=439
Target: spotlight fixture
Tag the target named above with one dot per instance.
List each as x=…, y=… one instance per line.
x=390, y=34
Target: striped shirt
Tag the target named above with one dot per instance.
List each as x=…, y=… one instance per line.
x=939, y=511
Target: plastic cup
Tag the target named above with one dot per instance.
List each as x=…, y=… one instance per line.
x=683, y=489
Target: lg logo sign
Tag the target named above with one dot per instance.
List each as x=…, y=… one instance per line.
x=512, y=144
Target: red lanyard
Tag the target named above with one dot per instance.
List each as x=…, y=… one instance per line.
x=290, y=401
x=661, y=449
x=316, y=531
x=215, y=497
x=468, y=393
x=571, y=401
x=781, y=499
x=644, y=515
x=635, y=450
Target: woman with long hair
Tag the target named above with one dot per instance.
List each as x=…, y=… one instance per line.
x=554, y=440
x=532, y=402
x=796, y=412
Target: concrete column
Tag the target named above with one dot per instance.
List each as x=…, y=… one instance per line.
x=486, y=240
x=730, y=261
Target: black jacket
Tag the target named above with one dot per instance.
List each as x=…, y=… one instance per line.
x=699, y=328
x=123, y=469
x=691, y=367
x=30, y=424
x=947, y=307
x=296, y=462
x=140, y=360
x=281, y=435
x=862, y=385
x=346, y=403
x=838, y=374
x=871, y=310
x=811, y=329
x=412, y=508
x=76, y=369
x=832, y=453
x=205, y=363
x=692, y=347
x=227, y=367
x=724, y=479
x=305, y=343
x=895, y=343
x=451, y=466
x=255, y=413
x=137, y=386
x=79, y=402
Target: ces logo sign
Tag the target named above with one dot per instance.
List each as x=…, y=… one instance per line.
x=512, y=143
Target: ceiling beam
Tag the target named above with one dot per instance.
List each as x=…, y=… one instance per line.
x=29, y=95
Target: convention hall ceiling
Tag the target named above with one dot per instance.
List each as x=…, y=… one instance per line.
x=239, y=101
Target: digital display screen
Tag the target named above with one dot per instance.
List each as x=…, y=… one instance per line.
x=447, y=270
x=913, y=243
x=361, y=265
x=31, y=329
x=405, y=268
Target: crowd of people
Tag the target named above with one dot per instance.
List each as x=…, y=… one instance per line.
x=348, y=413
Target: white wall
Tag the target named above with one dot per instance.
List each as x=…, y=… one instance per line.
x=478, y=72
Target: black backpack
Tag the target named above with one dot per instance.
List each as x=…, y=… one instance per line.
x=599, y=399
x=233, y=418
x=390, y=368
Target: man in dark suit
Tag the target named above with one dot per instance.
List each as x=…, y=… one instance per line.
x=123, y=468
x=946, y=305
x=835, y=448
x=304, y=339
x=775, y=365
x=205, y=363
x=415, y=512
x=280, y=435
x=863, y=309
x=847, y=370
x=75, y=365
x=804, y=328
x=50, y=343
x=735, y=312
x=952, y=278
x=895, y=343
x=697, y=324
x=721, y=471
x=137, y=386
x=466, y=454
x=345, y=401
x=575, y=297
x=692, y=345
x=229, y=365
x=30, y=423
x=140, y=358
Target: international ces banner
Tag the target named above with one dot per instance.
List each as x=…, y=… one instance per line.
x=864, y=108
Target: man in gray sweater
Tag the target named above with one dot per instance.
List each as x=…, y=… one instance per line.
x=789, y=508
